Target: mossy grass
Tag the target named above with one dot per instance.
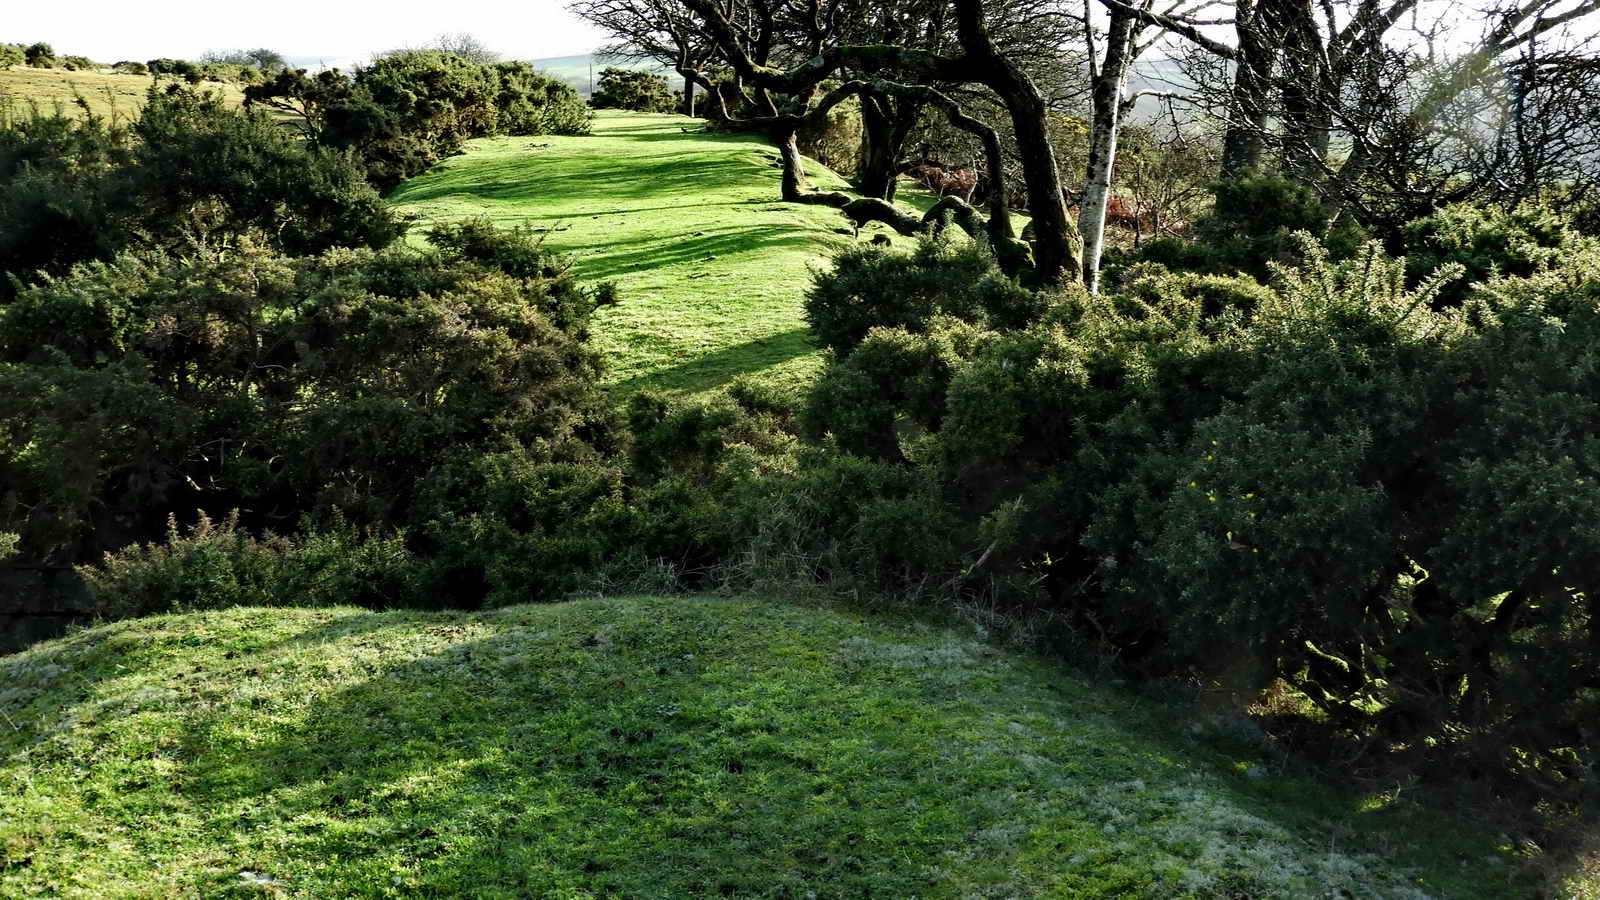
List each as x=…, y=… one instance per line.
x=712, y=267
x=649, y=747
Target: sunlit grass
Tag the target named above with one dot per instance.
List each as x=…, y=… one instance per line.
x=712, y=267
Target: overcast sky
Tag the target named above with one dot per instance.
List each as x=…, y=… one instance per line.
x=341, y=30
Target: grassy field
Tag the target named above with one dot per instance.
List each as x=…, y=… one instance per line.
x=106, y=94
x=712, y=268
x=649, y=747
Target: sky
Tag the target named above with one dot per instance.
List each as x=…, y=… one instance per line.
x=343, y=31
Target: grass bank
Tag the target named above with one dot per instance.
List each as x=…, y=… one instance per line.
x=649, y=747
x=712, y=267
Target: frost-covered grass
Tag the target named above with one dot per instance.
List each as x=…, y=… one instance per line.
x=648, y=747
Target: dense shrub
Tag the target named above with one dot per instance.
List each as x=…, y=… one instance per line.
x=130, y=67
x=893, y=374
x=725, y=492
x=371, y=386
x=215, y=565
x=632, y=89
x=61, y=199
x=1250, y=227
x=406, y=111
x=870, y=288
x=78, y=64
x=188, y=173
x=178, y=68
x=194, y=156
x=530, y=102
x=1488, y=241
x=40, y=55
x=1336, y=482
x=12, y=55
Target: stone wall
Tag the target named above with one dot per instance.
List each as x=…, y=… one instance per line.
x=39, y=603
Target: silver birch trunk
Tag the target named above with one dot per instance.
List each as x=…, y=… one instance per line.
x=1107, y=98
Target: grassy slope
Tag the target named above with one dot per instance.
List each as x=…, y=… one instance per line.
x=107, y=94
x=712, y=268
x=647, y=748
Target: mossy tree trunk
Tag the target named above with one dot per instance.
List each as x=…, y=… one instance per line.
x=886, y=125
x=1056, y=251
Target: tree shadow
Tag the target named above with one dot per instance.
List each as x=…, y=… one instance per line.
x=620, y=257
x=520, y=179
x=471, y=767
x=541, y=752
x=719, y=367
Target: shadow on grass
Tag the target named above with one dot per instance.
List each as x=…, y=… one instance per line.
x=714, y=369
x=688, y=173
x=582, y=756
x=654, y=251
x=675, y=753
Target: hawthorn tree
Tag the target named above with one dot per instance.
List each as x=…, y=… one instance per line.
x=976, y=59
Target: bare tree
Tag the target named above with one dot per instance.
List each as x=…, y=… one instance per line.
x=464, y=45
x=1411, y=99
x=1038, y=35
x=1125, y=37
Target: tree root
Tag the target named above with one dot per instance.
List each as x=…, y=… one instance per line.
x=823, y=198
x=1013, y=255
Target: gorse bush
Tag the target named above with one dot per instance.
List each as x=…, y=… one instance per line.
x=187, y=174
x=1251, y=226
x=178, y=68
x=61, y=200
x=635, y=90
x=727, y=493
x=868, y=288
x=215, y=565
x=40, y=55
x=358, y=385
x=1338, y=482
x=406, y=111
x=1488, y=241
x=226, y=172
